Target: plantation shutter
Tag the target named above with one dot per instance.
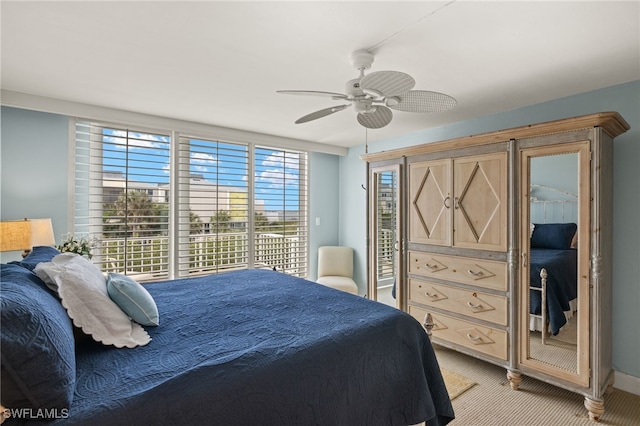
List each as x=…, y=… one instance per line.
x=213, y=206
x=121, y=198
x=281, y=210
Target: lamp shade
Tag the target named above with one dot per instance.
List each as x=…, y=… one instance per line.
x=15, y=235
x=41, y=233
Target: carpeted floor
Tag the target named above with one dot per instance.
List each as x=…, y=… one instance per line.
x=492, y=402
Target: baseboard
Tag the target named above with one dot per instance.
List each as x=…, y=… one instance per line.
x=627, y=383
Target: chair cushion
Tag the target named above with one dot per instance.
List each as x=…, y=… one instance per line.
x=339, y=283
x=335, y=260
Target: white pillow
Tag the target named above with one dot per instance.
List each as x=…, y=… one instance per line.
x=83, y=291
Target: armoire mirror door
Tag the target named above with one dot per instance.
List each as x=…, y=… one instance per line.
x=384, y=221
x=554, y=267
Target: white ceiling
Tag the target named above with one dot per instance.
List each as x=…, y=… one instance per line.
x=221, y=63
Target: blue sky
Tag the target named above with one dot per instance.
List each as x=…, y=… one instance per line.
x=148, y=160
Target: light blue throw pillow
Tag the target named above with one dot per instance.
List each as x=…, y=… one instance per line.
x=133, y=299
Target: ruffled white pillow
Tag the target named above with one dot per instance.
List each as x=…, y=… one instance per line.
x=83, y=291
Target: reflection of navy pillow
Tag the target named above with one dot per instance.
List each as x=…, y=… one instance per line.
x=38, y=254
x=38, y=358
x=553, y=235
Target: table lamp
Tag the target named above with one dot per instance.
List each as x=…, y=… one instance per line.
x=25, y=234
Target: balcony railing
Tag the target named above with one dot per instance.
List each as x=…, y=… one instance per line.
x=386, y=254
x=148, y=258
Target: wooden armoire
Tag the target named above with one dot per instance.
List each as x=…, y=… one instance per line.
x=466, y=213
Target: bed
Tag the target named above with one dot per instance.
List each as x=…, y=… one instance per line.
x=552, y=251
x=244, y=347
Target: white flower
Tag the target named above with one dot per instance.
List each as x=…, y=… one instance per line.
x=80, y=245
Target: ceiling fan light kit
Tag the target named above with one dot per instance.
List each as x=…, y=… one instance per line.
x=372, y=95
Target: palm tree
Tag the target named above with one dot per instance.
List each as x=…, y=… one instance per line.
x=220, y=222
x=136, y=211
x=195, y=224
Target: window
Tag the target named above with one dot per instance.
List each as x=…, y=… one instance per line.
x=235, y=205
x=213, y=206
x=280, y=214
x=121, y=185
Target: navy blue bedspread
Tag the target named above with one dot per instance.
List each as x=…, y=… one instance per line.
x=562, y=275
x=258, y=347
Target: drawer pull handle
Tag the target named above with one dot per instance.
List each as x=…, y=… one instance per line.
x=428, y=324
x=433, y=296
x=432, y=267
x=474, y=339
x=475, y=274
x=471, y=305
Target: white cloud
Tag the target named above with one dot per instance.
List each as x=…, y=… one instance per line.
x=280, y=167
x=136, y=140
x=286, y=160
x=202, y=158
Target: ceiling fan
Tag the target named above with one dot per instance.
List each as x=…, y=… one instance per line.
x=374, y=95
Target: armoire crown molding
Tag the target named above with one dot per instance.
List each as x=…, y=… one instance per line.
x=611, y=122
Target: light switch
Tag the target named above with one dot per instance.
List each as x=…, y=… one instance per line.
x=317, y=221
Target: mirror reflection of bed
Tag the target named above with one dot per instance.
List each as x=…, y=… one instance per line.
x=553, y=212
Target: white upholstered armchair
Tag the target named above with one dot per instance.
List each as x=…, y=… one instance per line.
x=335, y=268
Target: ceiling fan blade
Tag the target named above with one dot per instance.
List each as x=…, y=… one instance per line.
x=376, y=119
x=321, y=113
x=331, y=95
x=387, y=83
x=424, y=101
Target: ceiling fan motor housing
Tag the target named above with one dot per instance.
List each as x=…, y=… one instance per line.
x=361, y=102
x=352, y=88
x=361, y=59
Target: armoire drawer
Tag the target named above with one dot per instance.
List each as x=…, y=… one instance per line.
x=487, y=340
x=474, y=304
x=467, y=270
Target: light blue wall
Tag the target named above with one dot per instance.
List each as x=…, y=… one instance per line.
x=324, y=183
x=353, y=213
x=34, y=169
x=625, y=99
x=559, y=172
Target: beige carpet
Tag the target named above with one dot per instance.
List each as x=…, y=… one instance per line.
x=456, y=383
x=492, y=402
